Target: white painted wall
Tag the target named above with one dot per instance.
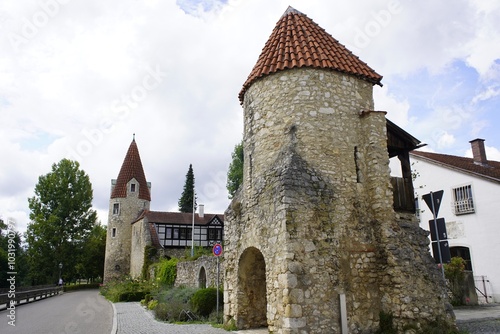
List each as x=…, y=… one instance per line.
x=479, y=231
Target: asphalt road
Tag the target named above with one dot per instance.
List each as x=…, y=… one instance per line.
x=78, y=312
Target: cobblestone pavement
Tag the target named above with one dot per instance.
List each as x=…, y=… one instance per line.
x=132, y=318
x=483, y=319
x=479, y=326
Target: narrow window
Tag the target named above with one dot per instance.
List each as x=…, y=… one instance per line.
x=132, y=187
x=463, y=202
x=356, y=163
x=116, y=208
x=417, y=208
x=113, y=232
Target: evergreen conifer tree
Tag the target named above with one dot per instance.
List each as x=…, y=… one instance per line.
x=186, y=200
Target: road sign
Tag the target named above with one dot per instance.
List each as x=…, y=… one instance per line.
x=433, y=200
x=445, y=251
x=217, y=250
x=441, y=229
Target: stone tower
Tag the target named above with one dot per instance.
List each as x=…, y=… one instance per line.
x=130, y=195
x=313, y=244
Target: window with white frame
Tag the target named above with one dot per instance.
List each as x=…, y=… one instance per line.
x=462, y=200
x=116, y=208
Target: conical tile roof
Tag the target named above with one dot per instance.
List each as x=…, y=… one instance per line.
x=297, y=41
x=131, y=168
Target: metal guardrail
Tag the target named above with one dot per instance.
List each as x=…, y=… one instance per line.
x=23, y=296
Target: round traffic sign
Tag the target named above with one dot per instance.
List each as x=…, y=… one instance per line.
x=217, y=249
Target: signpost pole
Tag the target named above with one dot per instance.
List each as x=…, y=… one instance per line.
x=437, y=235
x=217, y=289
x=217, y=251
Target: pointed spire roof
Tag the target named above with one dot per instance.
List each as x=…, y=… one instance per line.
x=297, y=41
x=131, y=168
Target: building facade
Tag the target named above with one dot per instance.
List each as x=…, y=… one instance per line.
x=132, y=226
x=471, y=194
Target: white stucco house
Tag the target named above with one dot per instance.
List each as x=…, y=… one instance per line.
x=470, y=204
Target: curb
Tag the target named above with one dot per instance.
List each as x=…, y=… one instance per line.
x=114, y=329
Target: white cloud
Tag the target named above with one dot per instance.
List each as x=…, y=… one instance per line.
x=492, y=153
x=397, y=111
x=72, y=73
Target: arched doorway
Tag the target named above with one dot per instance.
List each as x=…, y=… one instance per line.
x=202, y=278
x=464, y=253
x=252, y=296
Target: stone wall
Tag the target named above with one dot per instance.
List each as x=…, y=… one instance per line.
x=315, y=216
x=189, y=272
x=141, y=237
x=118, y=248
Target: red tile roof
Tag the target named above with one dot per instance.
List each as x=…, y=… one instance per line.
x=491, y=171
x=297, y=41
x=154, y=236
x=131, y=168
x=178, y=218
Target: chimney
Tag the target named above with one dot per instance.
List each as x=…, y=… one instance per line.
x=478, y=151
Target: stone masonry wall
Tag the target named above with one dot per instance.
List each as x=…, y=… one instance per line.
x=141, y=237
x=316, y=202
x=188, y=272
x=118, y=248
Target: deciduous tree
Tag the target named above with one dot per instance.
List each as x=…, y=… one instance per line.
x=235, y=172
x=61, y=221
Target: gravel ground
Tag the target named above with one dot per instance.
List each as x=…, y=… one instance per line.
x=480, y=326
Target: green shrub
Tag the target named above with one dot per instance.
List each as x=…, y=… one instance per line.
x=126, y=290
x=150, y=253
x=199, y=251
x=172, y=302
x=230, y=325
x=152, y=304
x=386, y=325
x=204, y=301
x=455, y=274
x=166, y=271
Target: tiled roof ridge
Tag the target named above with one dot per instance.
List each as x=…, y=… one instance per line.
x=297, y=41
x=466, y=164
x=131, y=168
x=180, y=217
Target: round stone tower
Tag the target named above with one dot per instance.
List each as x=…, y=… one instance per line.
x=308, y=237
x=130, y=196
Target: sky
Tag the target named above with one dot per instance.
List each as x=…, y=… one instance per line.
x=79, y=77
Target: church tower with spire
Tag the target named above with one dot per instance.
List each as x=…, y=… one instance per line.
x=130, y=196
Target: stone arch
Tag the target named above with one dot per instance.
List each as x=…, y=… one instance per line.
x=252, y=296
x=464, y=253
x=202, y=278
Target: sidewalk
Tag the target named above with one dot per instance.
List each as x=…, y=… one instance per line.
x=132, y=318
x=466, y=313
x=482, y=319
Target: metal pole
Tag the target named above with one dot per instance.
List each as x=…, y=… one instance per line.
x=437, y=234
x=217, y=289
x=192, y=232
x=485, y=292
